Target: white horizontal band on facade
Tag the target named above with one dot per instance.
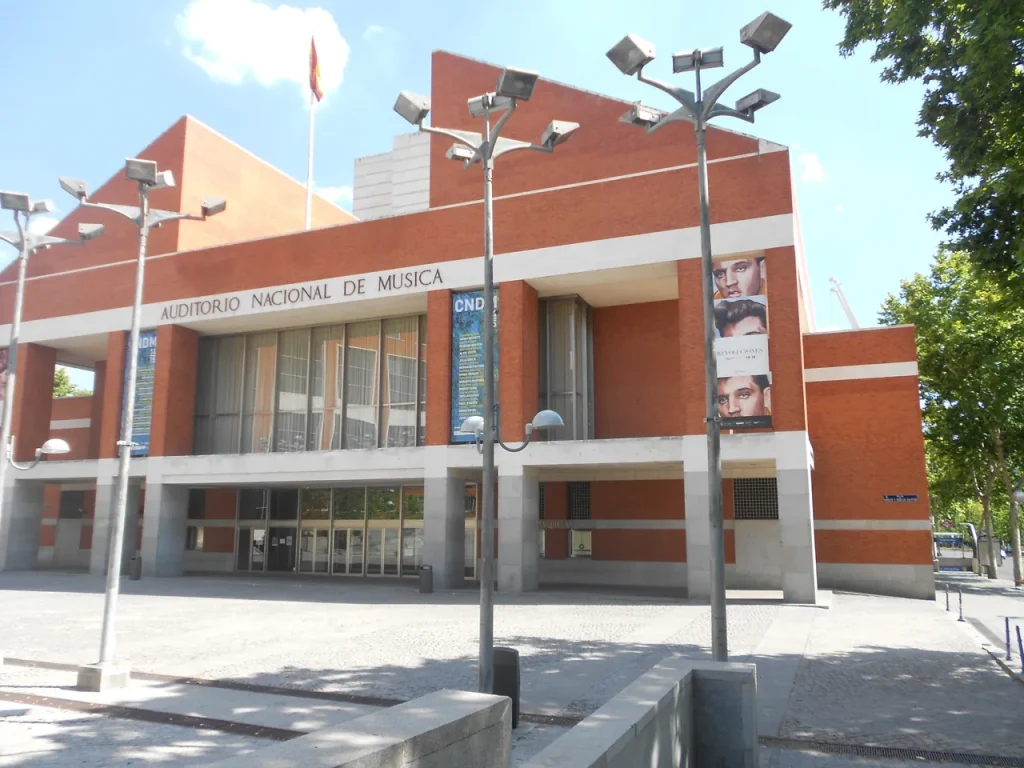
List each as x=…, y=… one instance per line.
x=746, y=236
x=70, y=423
x=613, y=525
x=852, y=372
x=872, y=525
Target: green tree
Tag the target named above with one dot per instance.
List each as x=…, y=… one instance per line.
x=970, y=57
x=970, y=342
x=62, y=386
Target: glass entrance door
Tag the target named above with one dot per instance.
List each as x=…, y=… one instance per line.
x=281, y=553
x=313, y=550
x=251, y=549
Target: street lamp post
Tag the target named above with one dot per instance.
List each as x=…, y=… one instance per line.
x=514, y=85
x=631, y=55
x=106, y=673
x=27, y=243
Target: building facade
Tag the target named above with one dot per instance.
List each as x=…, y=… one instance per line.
x=301, y=390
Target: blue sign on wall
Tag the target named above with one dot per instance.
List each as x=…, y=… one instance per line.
x=143, y=413
x=468, y=359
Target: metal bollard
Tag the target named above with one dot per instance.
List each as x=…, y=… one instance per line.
x=1020, y=649
x=947, y=598
x=1008, y=656
x=960, y=593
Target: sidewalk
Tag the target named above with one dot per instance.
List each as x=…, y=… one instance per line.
x=987, y=604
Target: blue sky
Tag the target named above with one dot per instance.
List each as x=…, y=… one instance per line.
x=98, y=81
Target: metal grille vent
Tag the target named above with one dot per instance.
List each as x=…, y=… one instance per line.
x=756, y=498
x=579, y=501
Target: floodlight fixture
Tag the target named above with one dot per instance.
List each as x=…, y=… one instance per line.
x=211, y=206
x=15, y=201
x=765, y=32
x=712, y=57
x=142, y=171
x=489, y=102
x=516, y=83
x=163, y=179
x=74, y=187
x=684, y=61
x=557, y=132
x=413, y=107
x=43, y=206
x=642, y=116
x=54, y=447
x=89, y=231
x=759, y=99
x=460, y=152
x=631, y=54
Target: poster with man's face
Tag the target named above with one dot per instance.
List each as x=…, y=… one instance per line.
x=741, y=343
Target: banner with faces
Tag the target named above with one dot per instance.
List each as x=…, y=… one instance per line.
x=741, y=343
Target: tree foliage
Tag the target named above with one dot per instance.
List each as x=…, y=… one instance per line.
x=62, y=386
x=970, y=57
x=970, y=341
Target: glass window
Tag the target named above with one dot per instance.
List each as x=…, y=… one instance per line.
x=72, y=505
x=412, y=503
x=253, y=504
x=284, y=504
x=258, y=403
x=292, y=390
x=196, y=503
x=194, y=538
x=383, y=504
x=402, y=373
x=349, y=503
x=315, y=504
x=218, y=395
x=327, y=376
x=362, y=367
x=421, y=438
x=565, y=367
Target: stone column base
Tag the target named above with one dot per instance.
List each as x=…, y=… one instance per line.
x=103, y=677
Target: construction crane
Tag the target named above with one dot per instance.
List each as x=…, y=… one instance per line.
x=837, y=289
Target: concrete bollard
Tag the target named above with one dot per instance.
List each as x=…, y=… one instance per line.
x=506, y=678
x=1020, y=649
x=960, y=593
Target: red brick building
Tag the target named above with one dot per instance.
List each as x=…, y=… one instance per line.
x=303, y=383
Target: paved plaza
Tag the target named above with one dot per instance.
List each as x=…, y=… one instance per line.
x=865, y=671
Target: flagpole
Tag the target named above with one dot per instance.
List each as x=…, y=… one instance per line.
x=309, y=165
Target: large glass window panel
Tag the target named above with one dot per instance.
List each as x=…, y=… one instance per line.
x=227, y=397
x=412, y=550
x=292, y=390
x=205, y=375
x=258, y=400
x=284, y=504
x=327, y=377
x=565, y=367
x=242, y=558
x=412, y=503
x=390, y=554
x=307, y=542
x=402, y=372
x=253, y=504
x=349, y=503
x=315, y=504
x=374, y=550
x=361, y=379
x=421, y=438
x=382, y=504
x=339, y=557
x=355, y=551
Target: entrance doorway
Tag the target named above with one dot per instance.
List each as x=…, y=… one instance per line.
x=314, y=550
x=281, y=553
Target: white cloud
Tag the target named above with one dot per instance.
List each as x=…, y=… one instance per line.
x=337, y=195
x=810, y=167
x=235, y=41
x=372, y=31
x=40, y=225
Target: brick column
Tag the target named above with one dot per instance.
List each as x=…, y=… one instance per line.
x=439, y=367
x=691, y=346
x=33, y=399
x=113, y=394
x=785, y=340
x=96, y=409
x=174, y=391
x=518, y=357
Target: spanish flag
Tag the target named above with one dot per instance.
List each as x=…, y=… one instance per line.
x=314, y=71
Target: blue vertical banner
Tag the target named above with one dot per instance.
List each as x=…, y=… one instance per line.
x=143, y=413
x=468, y=358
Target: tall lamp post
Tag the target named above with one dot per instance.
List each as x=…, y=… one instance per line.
x=631, y=55
x=27, y=243
x=514, y=85
x=144, y=173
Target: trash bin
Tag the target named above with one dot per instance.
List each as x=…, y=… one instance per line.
x=135, y=568
x=426, y=579
x=506, y=678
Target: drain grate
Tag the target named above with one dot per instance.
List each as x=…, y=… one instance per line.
x=891, y=753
